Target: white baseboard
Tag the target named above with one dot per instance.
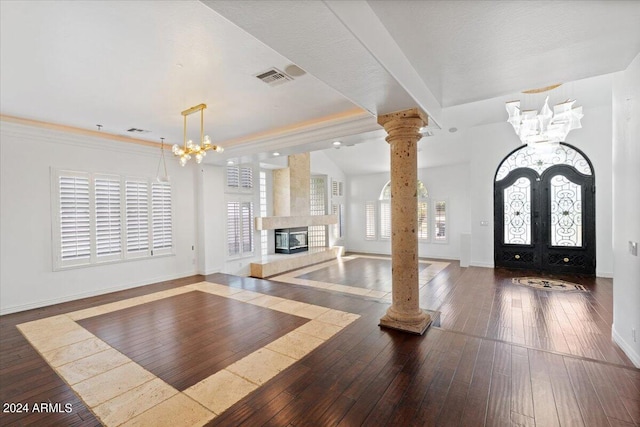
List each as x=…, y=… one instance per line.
x=212, y=271
x=93, y=293
x=626, y=347
x=605, y=274
x=481, y=264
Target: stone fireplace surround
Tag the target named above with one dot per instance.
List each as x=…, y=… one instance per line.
x=291, y=201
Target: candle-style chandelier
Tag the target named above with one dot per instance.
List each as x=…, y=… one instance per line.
x=547, y=127
x=199, y=150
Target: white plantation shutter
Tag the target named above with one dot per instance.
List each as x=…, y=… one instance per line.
x=239, y=228
x=102, y=218
x=233, y=228
x=137, y=216
x=385, y=219
x=440, y=221
x=246, y=178
x=247, y=229
x=423, y=220
x=75, y=221
x=233, y=177
x=370, y=220
x=161, y=216
x=108, y=217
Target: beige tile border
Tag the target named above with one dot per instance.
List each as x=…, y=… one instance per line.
x=121, y=392
x=425, y=276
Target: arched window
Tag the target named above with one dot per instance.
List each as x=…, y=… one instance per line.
x=385, y=212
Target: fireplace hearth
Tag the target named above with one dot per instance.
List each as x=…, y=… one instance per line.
x=291, y=240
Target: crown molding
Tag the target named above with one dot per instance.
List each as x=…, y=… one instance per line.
x=76, y=131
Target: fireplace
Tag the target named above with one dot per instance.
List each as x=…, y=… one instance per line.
x=291, y=240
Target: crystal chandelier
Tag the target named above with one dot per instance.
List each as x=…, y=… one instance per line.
x=199, y=151
x=547, y=127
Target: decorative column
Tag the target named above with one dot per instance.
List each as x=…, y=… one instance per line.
x=403, y=129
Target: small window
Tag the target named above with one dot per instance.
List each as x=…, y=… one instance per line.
x=338, y=229
x=370, y=221
x=337, y=188
x=240, y=178
x=440, y=221
x=239, y=228
x=423, y=220
x=385, y=219
x=264, y=234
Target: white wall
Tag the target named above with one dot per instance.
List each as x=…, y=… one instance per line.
x=28, y=154
x=211, y=219
x=626, y=205
x=448, y=182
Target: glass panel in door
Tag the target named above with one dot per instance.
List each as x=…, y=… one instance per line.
x=517, y=213
x=566, y=212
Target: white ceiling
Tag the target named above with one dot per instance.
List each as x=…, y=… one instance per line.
x=139, y=63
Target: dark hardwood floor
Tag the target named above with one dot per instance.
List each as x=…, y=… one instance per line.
x=214, y=332
x=503, y=355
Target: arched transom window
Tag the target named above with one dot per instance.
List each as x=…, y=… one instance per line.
x=541, y=160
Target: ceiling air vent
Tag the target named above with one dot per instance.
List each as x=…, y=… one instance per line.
x=136, y=130
x=274, y=77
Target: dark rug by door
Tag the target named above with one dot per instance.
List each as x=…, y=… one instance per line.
x=548, y=284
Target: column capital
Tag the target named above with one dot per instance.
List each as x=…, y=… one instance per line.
x=411, y=114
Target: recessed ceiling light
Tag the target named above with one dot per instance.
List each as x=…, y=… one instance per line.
x=276, y=154
x=452, y=130
x=230, y=162
x=337, y=143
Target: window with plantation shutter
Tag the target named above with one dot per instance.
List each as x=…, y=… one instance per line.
x=233, y=177
x=385, y=219
x=338, y=229
x=233, y=228
x=370, y=220
x=264, y=234
x=423, y=220
x=239, y=228
x=247, y=219
x=440, y=234
x=137, y=216
x=108, y=217
x=74, y=219
x=101, y=218
x=240, y=179
x=246, y=178
x=161, y=218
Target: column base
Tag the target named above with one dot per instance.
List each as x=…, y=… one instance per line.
x=418, y=326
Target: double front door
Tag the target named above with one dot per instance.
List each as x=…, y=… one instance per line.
x=545, y=221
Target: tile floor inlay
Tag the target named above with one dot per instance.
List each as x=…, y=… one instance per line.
x=119, y=391
x=364, y=275
x=198, y=333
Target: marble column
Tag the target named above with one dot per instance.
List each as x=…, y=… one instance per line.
x=403, y=129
